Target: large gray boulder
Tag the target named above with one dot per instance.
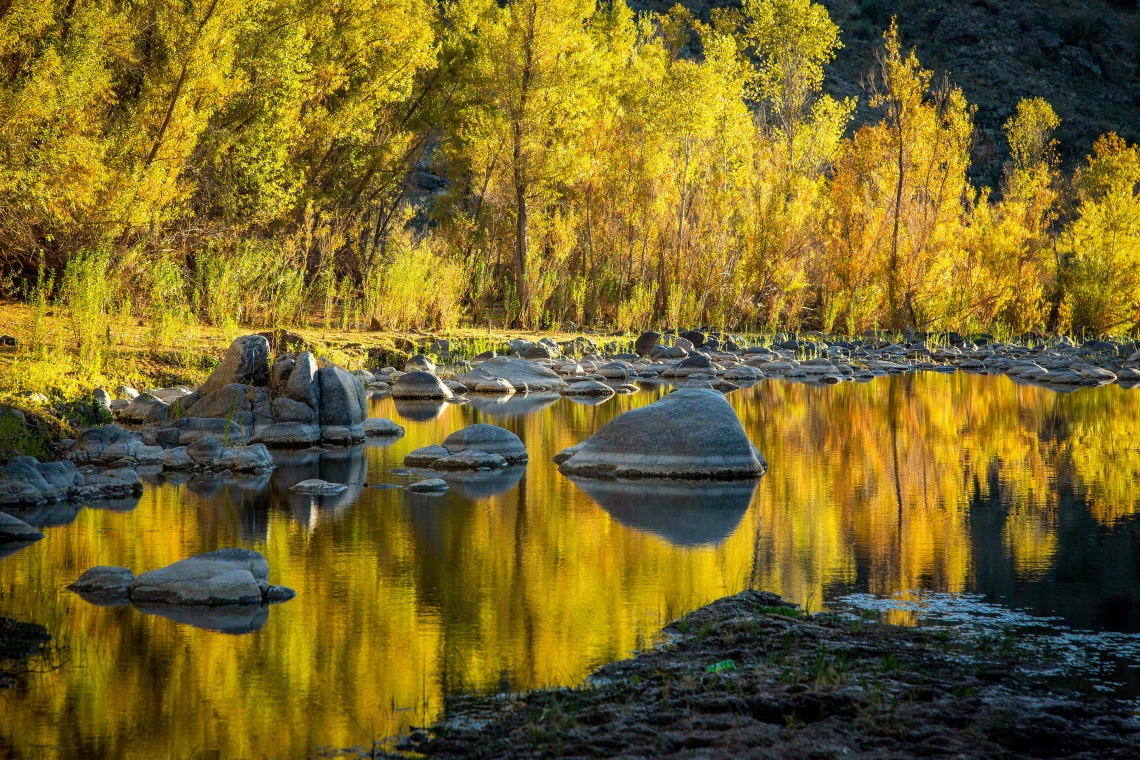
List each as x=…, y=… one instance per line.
x=246, y=363
x=420, y=384
x=225, y=576
x=304, y=384
x=491, y=439
x=690, y=434
x=520, y=373
x=145, y=409
x=289, y=435
x=344, y=405
x=14, y=531
x=646, y=342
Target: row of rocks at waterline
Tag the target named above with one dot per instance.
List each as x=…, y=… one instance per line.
x=222, y=578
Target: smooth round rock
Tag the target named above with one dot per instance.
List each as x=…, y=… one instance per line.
x=689, y=434
x=489, y=438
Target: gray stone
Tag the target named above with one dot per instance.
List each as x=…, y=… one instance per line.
x=14, y=531
x=420, y=384
x=469, y=460
x=225, y=576
x=246, y=363
x=424, y=456
x=489, y=438
x=523, y=375
x=420, y=363
x=290, y=410
x=104, y=581
x=289, y=435
x=588, y=388
x=317, y=487
x=205, y=450
x=102, y=398
x=646, y=342
x=252, y=458
x=304, y=383
x=144, y=409
x=428, y=485
x=690, y=434
x=344, y=405
x=381, y=427
x=177, y=459
x=278, y=594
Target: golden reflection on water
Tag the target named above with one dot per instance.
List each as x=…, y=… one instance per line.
x=528, y=581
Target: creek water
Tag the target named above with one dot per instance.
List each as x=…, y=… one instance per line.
x=924, y=489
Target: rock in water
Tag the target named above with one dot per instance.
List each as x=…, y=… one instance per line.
x=225, y=576
x=381, y=427
x=690, y=434
x=318, y=487
x=523, y=375
x=428, y=485
x=344, y=405
x=420, y=384
x=488, y=438
x=246, y=362
x=16, y=531
x=104, y=582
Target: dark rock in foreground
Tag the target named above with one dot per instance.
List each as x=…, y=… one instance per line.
x=750, y=676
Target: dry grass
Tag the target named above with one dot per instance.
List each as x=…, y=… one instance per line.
x=128, y=355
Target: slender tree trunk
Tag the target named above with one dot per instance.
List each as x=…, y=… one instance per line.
x=892, y=278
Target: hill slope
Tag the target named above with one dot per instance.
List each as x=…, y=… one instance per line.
x=1083, y=57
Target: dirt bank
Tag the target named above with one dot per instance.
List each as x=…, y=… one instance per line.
x=748, y=676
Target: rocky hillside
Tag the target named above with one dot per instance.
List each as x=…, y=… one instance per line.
x=1083, y=57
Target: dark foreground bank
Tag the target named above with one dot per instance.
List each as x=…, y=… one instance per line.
x=20, y=643
x=748, y=676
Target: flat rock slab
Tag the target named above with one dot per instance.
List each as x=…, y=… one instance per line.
x=428, y=485
x=318, y=487
x=225, y=576
x=690, y=434
x=381, y=427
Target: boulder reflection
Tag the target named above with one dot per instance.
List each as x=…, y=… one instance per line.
x=681, y=512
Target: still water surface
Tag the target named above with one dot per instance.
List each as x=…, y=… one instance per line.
x=961, y=484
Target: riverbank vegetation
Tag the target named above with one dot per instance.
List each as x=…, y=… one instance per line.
x=390, y=164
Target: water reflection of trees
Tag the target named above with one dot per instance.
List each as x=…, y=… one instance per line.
x=954, y=483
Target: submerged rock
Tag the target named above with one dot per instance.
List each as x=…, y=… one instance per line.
x=691, y=433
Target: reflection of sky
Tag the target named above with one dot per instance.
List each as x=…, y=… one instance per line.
x=520, y=578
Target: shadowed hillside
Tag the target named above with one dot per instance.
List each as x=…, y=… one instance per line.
x=1083, y=57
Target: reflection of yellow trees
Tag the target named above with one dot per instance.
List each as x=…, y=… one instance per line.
x=881, y=476
x=401, y=599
